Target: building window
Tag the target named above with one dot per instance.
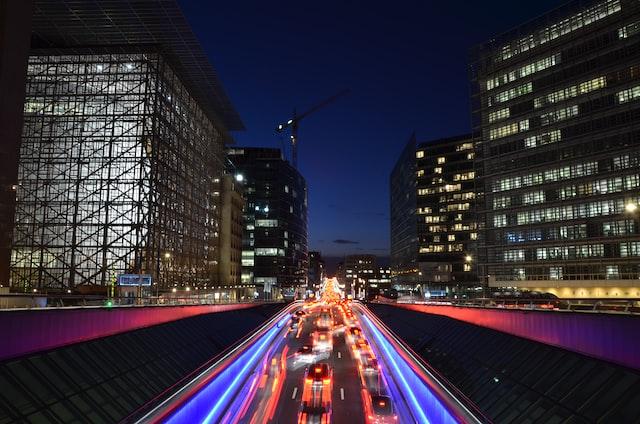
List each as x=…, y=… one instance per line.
x=555, y=273
x=420, y=154
x=566, y=26
x=612, y=272
x=628, y=95
x=512, y=93
x=559, y=115
x=570, y=92
x=441, y=160
x=510, y=129
x=269, y=223
x=542, y=139
x=523, y=71
x=629, y=30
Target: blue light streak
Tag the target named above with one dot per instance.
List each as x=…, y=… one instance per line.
x=209, y=404
x=426, y=407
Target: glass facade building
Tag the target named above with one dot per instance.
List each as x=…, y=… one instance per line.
x=433, y=221
x=447, y=225
x=118, y=173
x=274, y=245
x=403, y=225
x=556, y=113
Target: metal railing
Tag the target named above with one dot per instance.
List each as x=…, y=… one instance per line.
x=40, y=301
x=599, y=305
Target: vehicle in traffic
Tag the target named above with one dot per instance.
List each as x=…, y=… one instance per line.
x=379, y=410
x=316, y=396
x=322, y=341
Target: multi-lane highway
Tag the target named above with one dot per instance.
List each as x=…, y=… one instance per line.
x=318, y=361
x=321, y=336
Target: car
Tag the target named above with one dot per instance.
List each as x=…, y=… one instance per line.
x=304, y=354
x=300, y=313
x=316, y=394
x=322, y=341
x=379, y=410
x=324, y=322
x=352, y=334
x=361, y=348
x=369, y=364
x=318, y=374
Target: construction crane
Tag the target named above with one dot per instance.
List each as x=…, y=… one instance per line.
x=294, y=122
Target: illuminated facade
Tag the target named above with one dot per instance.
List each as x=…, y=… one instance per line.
x=556, y=104
x=433, y=222
x=274, y=245
x=445, y=211
x=118, y=171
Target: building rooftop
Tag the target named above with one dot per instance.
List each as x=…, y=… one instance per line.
x=160, y=24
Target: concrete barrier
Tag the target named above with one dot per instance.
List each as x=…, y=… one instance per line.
x=611, y=337
x=35, y=330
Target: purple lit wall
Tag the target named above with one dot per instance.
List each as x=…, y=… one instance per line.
x=35, y=330
x=614, y=338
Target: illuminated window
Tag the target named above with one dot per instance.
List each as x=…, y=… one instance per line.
x=464, y=176
x=464, y=146
x=451, y=237
x=420, y=172
x=570, y=92
x=509, y=129
x=441, y=160
x=565, y=26
x=628, y=95
x=437, y=170
x=541, y=139
x=512, y=93
x=467, y=267
x=629, y=30
x=559, y=115
x=473, y=236
x=420, y=154
x=523, y=71
x=471, y=155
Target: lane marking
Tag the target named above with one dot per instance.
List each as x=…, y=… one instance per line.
x=295, y=392
x=339, y=355
x=341, y=393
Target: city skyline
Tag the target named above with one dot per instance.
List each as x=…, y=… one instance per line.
x=406, y=70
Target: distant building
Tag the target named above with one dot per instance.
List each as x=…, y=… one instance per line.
x=316, y=270
x=122, y=144
x=404, y=223
x=556, y=107
x=358, y=270
x=231, y=227
x=274, y=246
x=447, y=224
x=433, y=222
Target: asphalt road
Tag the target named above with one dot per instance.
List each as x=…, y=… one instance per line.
x=280, y=385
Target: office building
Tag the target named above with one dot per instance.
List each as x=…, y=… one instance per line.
x=121, y=150
x=316, y=270
x=447, y=227
x=231, y=227
x=433, y=222
x=15, y=36
x=404, y=224
x=556, y=113
x=358, y=269
x=274, y=245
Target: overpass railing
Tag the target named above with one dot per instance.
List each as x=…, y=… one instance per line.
x=12, y=301
x=599, y=305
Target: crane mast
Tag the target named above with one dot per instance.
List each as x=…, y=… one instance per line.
x=293, y=123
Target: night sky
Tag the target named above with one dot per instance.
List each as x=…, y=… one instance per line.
x=406, y=66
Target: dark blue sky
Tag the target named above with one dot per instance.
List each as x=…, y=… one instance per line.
x=405, y=63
